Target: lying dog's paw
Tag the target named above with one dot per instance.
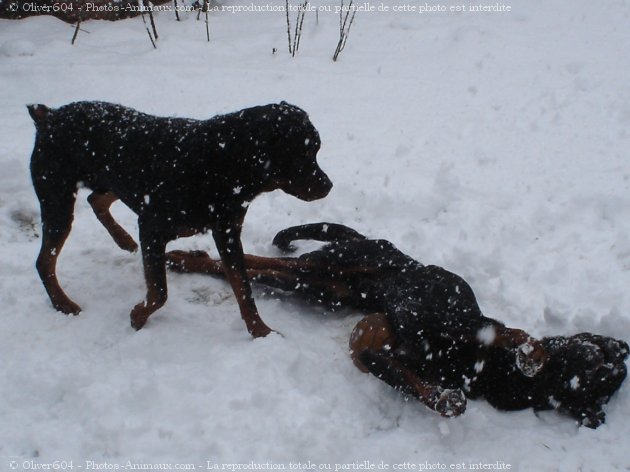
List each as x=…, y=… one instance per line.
x=285, y=247
x=592, y=418
x=530, y=358
x=452, y=402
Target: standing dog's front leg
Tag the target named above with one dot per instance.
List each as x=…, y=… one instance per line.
x=230, y=249
x=153, y=246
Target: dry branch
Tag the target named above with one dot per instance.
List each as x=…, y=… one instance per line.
x=294, y=41
x=344, y=28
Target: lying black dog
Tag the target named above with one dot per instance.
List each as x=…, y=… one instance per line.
x=427, y=336
x=180, y=176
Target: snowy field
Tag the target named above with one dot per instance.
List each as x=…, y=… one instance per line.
x=493, y=144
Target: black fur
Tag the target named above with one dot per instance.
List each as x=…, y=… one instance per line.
x=436, y=319
x=181, y=176
x=436, y=344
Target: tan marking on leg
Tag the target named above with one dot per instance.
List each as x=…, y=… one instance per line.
x=371, y=332
x=100, y=203
x=47, y=268
x=530, y=353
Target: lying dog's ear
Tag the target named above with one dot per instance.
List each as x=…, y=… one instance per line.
x=585, y=370
x=38, y=112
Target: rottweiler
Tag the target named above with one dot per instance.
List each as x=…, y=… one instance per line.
x=425, y=334
x=180, y=176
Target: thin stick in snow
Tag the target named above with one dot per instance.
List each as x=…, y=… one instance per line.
x=299, y=32
x=206, y=7
x=343, y=30
x=150, y=8
x=147, y=27
x=288, y=26
x=294, y=41
x=151, y=38
x=76, y=31
x=176, y=10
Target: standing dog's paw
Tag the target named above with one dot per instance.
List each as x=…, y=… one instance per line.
x=139, y=316
x=67, y=307
x=260, y=330
x=126, y=243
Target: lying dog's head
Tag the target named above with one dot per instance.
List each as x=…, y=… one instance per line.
x=290, y=155
x=582, y=373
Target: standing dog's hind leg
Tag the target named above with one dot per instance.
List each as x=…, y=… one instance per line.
x=100, y=203
x=56, y=225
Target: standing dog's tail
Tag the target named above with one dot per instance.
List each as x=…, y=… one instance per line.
x=39, y=113
x=325, y=232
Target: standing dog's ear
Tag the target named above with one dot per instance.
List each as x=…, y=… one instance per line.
x=38, y=112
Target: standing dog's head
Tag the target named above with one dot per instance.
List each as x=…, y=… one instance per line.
x=290, y=155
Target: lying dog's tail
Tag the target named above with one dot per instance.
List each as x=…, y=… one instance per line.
x=325, y=232
x=39, y=113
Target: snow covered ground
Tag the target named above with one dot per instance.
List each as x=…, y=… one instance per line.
x=493, y=144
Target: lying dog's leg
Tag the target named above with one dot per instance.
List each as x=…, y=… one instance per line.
x=100, y=203
x=196, y=262
x=231, y=251
x=447, y=402
x=283, y=273
x=372, y=346
x=57, y=215
x=530, y=352
x=154, y=262
x=201, y=262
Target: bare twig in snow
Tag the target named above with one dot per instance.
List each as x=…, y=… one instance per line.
x=298, y=35
x=294, y=41
x=206, y=7
x=344, y=27
x=288, y=25
x=76, y=30
x=149, y=7
x=146, y=26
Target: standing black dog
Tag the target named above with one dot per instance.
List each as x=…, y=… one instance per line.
x=425, y=334
x=180, y=176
